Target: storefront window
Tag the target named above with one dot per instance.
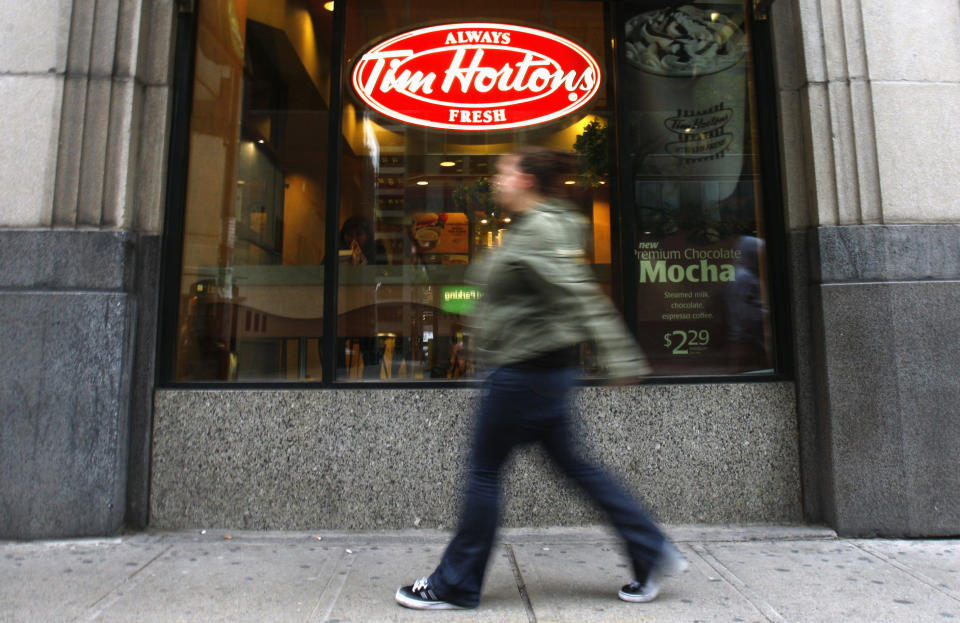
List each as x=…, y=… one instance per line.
x=429, y=98
x=251, y=290
x=419, y=196
x=699, y=243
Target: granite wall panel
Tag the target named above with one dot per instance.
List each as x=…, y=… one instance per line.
x=63, y=398
x=355, y=459
x=71, y=304
x=142, y=381
x=806, y=383
x=63, y=260
x=877, y=253
x=887, y=309
x=893, y=397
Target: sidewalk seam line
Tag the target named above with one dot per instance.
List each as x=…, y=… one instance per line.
x=88, y=616
x=752, y=597
x=521, y=585
x=920, y=577
x=347, y=568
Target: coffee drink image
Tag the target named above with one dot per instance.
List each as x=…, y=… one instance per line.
x=687, y=95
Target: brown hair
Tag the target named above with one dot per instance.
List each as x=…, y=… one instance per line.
x=549, y=168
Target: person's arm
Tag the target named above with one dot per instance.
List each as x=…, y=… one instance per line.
x=552, y=258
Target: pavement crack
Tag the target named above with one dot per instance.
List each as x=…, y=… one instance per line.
x=521, y=585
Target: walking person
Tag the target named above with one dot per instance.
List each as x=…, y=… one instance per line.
x=540, y=303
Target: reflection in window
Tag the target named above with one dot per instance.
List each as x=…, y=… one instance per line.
x=252, y=284
x=415, y=207
x=702, y=293
x=425, y=197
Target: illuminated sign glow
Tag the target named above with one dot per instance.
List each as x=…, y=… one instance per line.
x=459, y=299
x=476, y=76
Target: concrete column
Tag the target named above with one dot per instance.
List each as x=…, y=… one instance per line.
x=867, y=113
x=86, y=93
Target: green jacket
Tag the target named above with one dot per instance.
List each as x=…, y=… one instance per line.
x=541, y=296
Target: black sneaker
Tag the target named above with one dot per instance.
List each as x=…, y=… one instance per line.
x=640, y=592
x=670, y=562
x=420, y=596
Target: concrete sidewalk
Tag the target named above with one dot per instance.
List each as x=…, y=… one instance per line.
x=756, y=573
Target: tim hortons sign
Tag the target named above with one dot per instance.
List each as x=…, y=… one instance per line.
x=476, y=76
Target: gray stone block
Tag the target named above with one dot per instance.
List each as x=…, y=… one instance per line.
x=30, y=124
x=63, y=443
x=893, y=389
x=67, y=260
x=103, y=37
x=142, y=381
x=916, y=160
x=885, y=50
x=126, y=114
x=355, y=459
x=150, y=192
x=35, y=36
x=92, y=152
x=787, y=45
x=158, y=30
x=873, y=253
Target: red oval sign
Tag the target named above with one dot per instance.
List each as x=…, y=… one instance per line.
x=476, y=76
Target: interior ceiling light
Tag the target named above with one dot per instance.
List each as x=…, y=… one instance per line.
x=448, y=163
x=328, y=5
x=422, y=183
x=569, y=182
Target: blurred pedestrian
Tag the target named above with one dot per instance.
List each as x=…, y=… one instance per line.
x=540, y=303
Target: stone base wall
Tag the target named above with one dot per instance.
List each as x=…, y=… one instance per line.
x=69, y=301
x=886, y=328
x=356, y=459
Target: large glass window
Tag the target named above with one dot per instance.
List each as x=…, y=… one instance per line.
x=694, y=188
x=669, y=181
x=251, y=290
x=419, y=199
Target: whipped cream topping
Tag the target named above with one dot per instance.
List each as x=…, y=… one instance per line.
x=683, y=41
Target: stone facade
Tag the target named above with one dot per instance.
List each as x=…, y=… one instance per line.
x=867, y=113
x=86, y=88
x=868, y=106
x=361, y=459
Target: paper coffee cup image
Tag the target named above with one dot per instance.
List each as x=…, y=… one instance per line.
x=686, y=83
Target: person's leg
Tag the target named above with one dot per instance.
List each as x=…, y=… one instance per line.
x=645, y=542
x=459, y=576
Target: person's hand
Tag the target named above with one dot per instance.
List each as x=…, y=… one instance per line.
x=358, y=257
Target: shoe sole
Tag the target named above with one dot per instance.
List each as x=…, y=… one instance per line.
x=639, y=599
x=417, y=604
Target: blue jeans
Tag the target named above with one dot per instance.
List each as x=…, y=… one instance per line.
x=520, y=406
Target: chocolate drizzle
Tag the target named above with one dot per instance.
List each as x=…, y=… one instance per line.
x=683, y=41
